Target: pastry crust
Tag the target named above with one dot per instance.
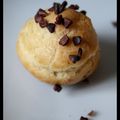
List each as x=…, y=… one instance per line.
x=42, y=55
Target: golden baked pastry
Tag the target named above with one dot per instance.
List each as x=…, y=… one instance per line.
x=59, y=53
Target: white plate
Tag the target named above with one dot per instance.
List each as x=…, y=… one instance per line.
x=26, y=98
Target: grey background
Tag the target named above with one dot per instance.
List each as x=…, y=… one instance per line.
x=26, y=98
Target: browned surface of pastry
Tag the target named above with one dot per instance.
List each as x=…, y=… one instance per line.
x=66, y=55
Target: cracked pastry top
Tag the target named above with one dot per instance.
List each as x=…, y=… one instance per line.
x=59, y=47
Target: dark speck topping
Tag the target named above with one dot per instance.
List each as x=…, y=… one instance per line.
x=51, y=27
x=64, y=40
x=42, y=12
x=59, y=19
x=57, y=88
x=38, y=18
x=43, y=23
x=83, y=12
x=91, y=113
x=83, y=118
x=74, y=58
x=76, y=40
x=67, y=22
x=62, y=7
x=75, y=7
x=57, y=8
